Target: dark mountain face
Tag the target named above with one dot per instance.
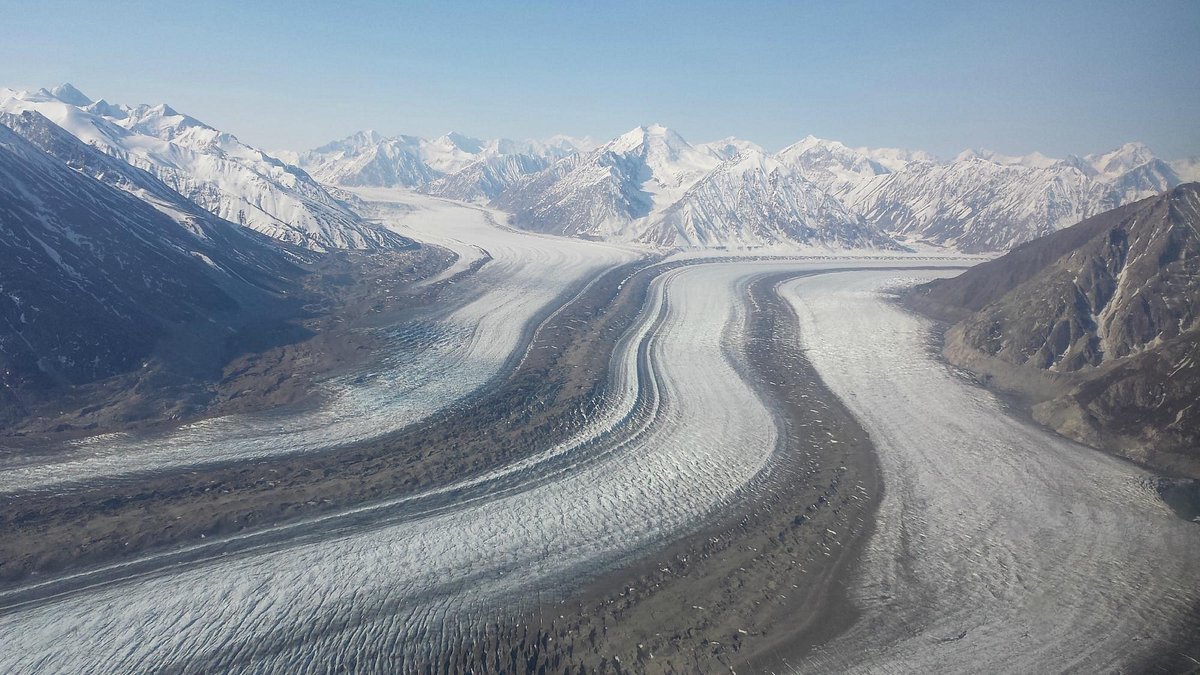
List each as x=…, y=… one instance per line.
x=1102, y=289
x=92, y=277
x=238, y=251
x=1109, y=309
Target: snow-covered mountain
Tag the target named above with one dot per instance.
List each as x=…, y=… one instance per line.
x=453, y=165
x=210, y=168
x=652, y=186
x=639, y=187
x=729, y=147
x=241, y=252
x=980, y=201
x=975, y=204
x=757, y=200
x=604, y=192
x=368, y=159
x=837, y=168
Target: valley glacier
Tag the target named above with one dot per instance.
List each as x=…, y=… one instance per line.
x=981, y=511
x=997, y=542
x=440, y=359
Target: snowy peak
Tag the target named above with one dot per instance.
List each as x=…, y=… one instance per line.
x=650, y=185
x=67, y=93
x=730, y=148
x=1034, y=160
x=355, y=144
x=462, y=142
x=755, y=200
x=163, y=121
x=644, y=137
x=814, y=151
x=811, y=143
x=369, y=159
x=668, y=164
x=1123, y=159
x=565, y=145
x=831, y=165
x=105, y=109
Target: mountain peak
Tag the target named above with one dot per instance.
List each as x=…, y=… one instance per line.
x=653, y=135
x=106, y=109
x=1034, y=160
x=811, y=142
x=464, y=142
x=1122, y=159
x=731, y=147
x=973, y=153
x=67, y=93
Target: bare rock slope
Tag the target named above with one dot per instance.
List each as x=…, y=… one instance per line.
x=1098, y=325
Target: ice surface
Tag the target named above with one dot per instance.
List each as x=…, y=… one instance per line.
x=997, y=546
x=1041, y=554
x=682, y=434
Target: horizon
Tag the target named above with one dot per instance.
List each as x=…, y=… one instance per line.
x=597, y=142
x=1015, y=79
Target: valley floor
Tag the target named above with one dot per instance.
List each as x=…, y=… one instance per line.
x=591, y=460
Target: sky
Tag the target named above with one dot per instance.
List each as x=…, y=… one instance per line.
x=1011, y=76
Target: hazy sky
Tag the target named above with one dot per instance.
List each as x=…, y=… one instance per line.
x=1060, y=77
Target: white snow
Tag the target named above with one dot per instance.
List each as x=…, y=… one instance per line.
x=213, y=169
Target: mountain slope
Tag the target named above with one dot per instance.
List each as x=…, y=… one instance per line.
x=1098, y=323
x=486, y=177
x=241, y=252
x=367, y=159
x=452, y=165
x=602, y=193
x=755, y=200
x=976, y=205
x=91, y=277
x=212, y=169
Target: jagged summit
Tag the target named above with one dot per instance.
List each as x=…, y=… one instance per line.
x=463, y=142
x=1120, y=160
x=67, y=93
x=1034, y=160
x=653, y=135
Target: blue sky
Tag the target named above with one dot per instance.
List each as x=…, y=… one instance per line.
x=1060, y=77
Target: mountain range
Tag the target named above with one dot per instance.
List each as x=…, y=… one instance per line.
x=652, y=186
x=647, y=186
x=209, y=168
